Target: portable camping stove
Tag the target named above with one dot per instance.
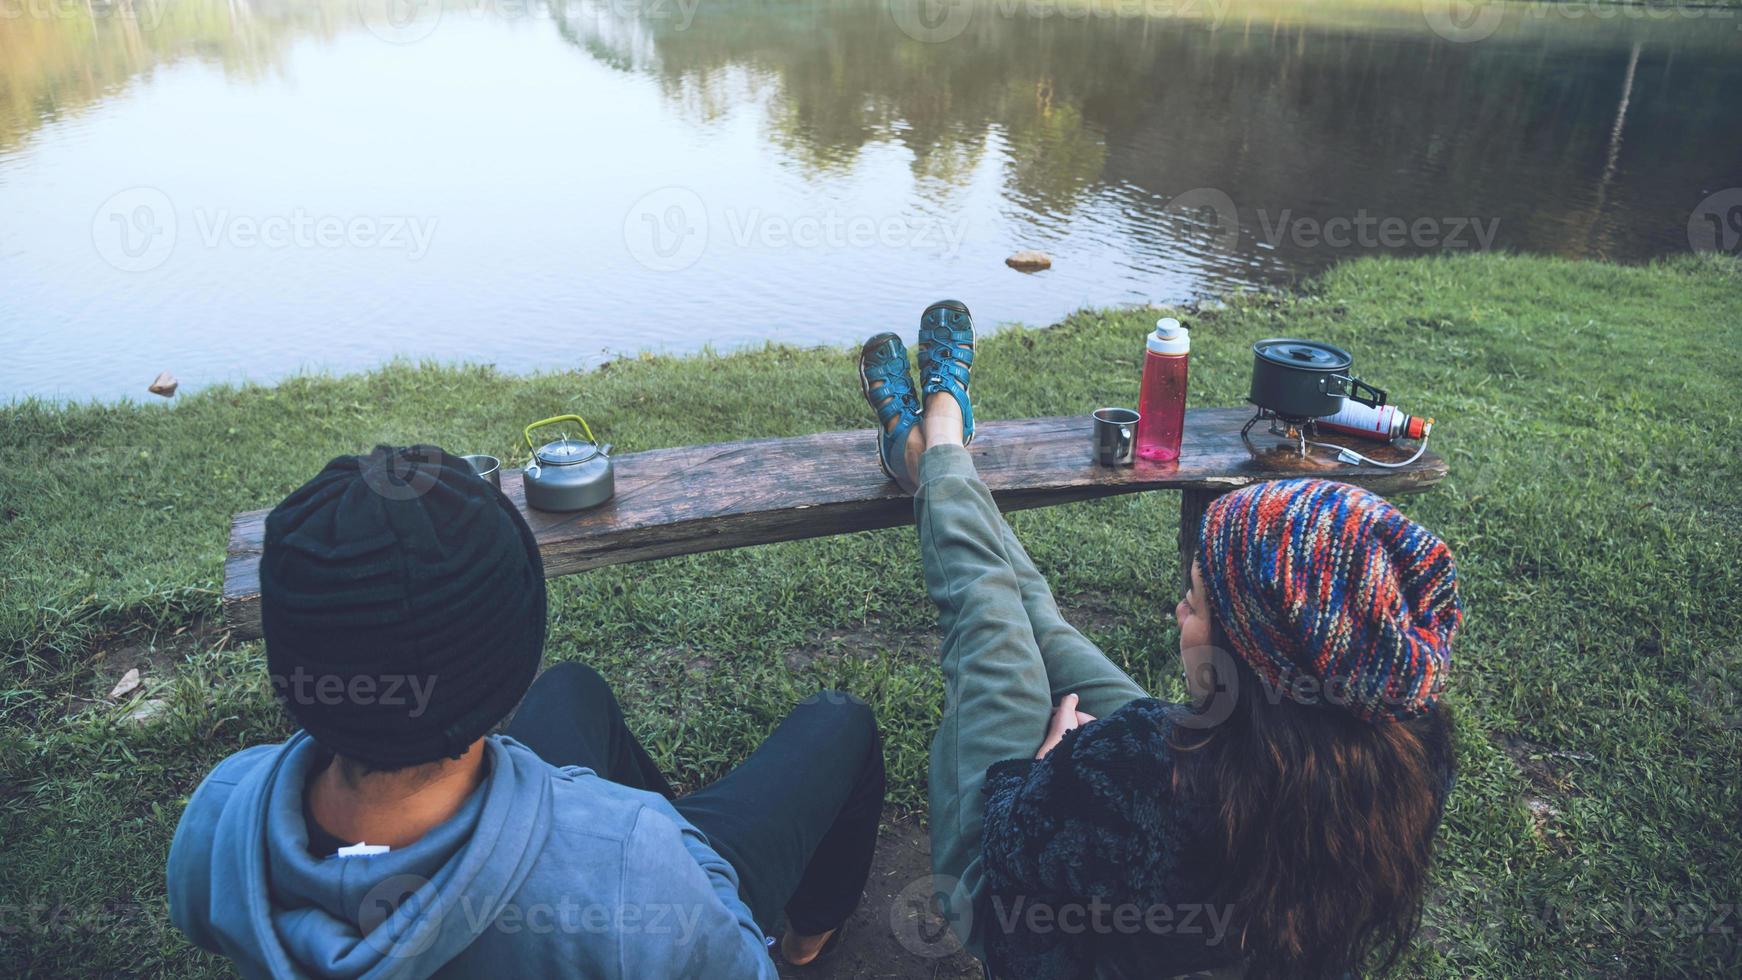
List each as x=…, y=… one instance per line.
x=1289, y=427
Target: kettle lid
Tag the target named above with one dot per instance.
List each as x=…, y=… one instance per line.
x=564, y=452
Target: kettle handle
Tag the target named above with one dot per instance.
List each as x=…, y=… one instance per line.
x=558, y=418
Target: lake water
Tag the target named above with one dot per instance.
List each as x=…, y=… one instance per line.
x=238, y=190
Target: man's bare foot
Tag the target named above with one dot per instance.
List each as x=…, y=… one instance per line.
x=801, y=950
x=942, y=420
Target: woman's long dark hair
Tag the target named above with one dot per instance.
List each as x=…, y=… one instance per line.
x=1324, y=822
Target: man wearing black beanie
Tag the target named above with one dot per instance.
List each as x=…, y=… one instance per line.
x=403, y=602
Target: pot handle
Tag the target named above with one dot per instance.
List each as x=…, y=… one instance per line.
x=554, y=419
x=1342, y=384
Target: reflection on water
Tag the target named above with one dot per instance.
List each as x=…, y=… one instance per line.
x=235, y=189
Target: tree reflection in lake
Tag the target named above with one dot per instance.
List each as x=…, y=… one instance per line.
x=832, y=169
x=1302, y=112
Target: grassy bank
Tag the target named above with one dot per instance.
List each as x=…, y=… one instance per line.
x=1589, y=414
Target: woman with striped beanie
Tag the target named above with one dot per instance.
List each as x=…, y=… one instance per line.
x=1316, y=638
x=1279, y=825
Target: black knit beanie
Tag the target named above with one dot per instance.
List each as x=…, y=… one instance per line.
x=403, y=603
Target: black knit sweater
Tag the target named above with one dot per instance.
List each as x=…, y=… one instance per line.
x=1093, y=866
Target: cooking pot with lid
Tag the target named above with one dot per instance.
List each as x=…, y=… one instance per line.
x=1305, y=379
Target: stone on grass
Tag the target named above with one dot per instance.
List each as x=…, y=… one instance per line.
x=147, y=710
x=165, y=385
x=1028, y=260
x=128, y=683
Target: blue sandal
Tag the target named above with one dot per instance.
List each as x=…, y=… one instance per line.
x=883, y=376
x=946, y=355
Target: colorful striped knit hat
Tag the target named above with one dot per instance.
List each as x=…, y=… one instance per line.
x=1321, y=580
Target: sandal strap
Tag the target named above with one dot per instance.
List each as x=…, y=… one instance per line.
x=890, y=389
x=945, y=368
x=949, y=381
x=946, y=357
x=892, y=446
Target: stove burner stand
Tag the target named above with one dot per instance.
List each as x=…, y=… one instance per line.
x=1282, y=426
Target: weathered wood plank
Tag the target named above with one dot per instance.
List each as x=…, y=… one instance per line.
x=727, y=495
x=1192, y=503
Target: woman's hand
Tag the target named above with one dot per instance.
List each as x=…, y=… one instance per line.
x=1064, y=718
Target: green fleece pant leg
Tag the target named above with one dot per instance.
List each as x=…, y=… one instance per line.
x=1073, y=664
x=997, y=699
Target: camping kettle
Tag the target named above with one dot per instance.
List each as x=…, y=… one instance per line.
x=568, y=474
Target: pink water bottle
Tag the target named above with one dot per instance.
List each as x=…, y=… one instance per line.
x=1162, y=402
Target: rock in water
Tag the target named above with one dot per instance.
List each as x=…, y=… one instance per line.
x=1029, y=260
x=165, y=385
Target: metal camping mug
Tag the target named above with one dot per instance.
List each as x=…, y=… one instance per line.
x=487, y=467
x=1115, y=436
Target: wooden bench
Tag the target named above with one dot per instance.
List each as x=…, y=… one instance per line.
x=728, y=495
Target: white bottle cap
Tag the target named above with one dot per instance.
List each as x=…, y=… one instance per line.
x=1170, y=338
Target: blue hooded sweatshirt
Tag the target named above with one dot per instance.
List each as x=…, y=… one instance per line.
x=543, y=872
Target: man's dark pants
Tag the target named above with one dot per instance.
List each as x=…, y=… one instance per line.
x=797, y=820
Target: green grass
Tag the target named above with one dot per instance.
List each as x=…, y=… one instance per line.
x=1588, y=411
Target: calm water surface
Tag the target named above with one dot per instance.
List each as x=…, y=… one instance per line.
x=241, y=190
